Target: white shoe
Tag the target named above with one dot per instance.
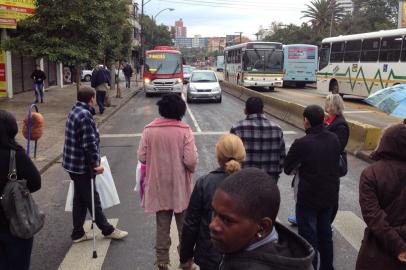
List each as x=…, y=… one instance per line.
x=117, y=234
x=85, y=237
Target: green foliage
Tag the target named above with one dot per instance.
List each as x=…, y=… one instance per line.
x=368, y=15
x=74, y=32
x=155, y=34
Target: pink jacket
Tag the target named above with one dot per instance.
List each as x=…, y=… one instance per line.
x=168, y=148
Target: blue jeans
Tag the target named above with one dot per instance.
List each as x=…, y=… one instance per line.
x=315, y=226
x=15, y=253
x=100, y=96
x=39, y=91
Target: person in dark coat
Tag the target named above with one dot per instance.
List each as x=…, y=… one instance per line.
x=318, y=187
x=382, y=197
x=336, y=123
x=244, y=227
x=15, y=253
x=38, y=76
x=195, y=243
x=128, y=73
x=101, y=82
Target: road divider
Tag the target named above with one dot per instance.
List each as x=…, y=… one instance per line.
x=363, y=137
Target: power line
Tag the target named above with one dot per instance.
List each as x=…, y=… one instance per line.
x=226, y=5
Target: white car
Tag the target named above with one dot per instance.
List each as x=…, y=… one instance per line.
x=86, y=75
x=203, y=85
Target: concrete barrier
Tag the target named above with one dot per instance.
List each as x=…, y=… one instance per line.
x=363, y=137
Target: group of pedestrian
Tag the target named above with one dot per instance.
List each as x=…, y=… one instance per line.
x=228, y=219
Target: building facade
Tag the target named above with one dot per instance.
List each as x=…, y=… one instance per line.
x=180, y=30
x=216, y=44
x=183, y=42
x=347, y=5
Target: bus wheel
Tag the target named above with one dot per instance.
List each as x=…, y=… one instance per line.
x=334, y=87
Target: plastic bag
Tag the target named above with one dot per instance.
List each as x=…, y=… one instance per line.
x=140, y=176
x=104, y=185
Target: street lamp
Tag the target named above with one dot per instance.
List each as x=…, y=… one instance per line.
x=156, y=15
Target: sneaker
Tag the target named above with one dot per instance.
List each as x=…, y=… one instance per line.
x=292, y=220
x=163, y=266
x=85, y=237
x=117, y=234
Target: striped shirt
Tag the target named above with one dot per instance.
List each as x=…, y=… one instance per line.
x=264, y=143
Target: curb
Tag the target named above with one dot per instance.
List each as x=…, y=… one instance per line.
x=99, y=124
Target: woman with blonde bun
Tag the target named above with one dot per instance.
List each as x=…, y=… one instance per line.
x=195, y=244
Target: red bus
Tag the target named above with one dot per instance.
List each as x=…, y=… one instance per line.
x=163, y=71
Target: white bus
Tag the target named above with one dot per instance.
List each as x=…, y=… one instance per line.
x=363, y=63
x=254, y=64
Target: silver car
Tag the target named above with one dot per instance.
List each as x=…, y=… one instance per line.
x=203, y=85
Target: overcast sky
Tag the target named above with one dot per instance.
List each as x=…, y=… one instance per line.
x=220, y=17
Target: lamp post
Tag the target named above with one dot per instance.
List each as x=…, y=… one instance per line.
x=156, y=15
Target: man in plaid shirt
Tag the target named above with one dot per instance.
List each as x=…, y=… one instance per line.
x=263, y=140
x=81, y=158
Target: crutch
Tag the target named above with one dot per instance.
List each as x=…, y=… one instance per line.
x=92, y=183
x=92, y=180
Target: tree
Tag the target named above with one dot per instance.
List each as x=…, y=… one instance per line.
x=323, y=13
x=72, y=32
x=155, y=34
x=291, y=34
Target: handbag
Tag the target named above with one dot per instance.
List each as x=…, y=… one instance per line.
x=342, y=164
x=21, y=211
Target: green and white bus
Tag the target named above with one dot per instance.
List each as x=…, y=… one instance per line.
x=362, y=64
x=254, y=64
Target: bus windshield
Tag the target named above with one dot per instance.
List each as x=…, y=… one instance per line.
x=262, y=61
x=163, y=63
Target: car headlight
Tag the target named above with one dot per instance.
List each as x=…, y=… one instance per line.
x=192, y=88
x=147, y=81
x=179, y=80
x=217, y=89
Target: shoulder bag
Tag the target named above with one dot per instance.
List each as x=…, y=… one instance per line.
x=22, y=213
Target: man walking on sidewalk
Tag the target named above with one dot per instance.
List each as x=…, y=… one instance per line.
x=316, y=156
x=263, y=140
x=128, y=73
x=38, y=76
x=101, y=82
x=81, y=155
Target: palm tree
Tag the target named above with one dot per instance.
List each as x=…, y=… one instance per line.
x=323, y=13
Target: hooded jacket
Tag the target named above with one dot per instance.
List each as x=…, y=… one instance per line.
x=382, y=197
x=291, y=252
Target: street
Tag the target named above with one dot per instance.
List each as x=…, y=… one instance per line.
x=120, y=136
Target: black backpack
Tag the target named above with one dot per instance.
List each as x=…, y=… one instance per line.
x=20, y=209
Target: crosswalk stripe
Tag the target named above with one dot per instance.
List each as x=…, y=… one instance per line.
x=351, y=227
x=79, y=255
x=201, y=133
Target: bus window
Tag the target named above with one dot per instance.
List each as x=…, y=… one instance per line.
x=370, y=50
x=352, y=51
x=390, y=49
x=337, y=52
x=324, y=55
x=403, y=55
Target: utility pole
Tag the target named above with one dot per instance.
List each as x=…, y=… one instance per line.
x=142, y=41
x=240, y=33
x=332, y=16
x=401, y=12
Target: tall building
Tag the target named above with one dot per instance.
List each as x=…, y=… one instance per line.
x=216, y=44
x=347, y=5
x=180, y=31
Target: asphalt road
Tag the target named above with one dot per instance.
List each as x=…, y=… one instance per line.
x=120, y=138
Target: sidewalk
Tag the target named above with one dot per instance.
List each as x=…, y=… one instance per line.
x=57, y=104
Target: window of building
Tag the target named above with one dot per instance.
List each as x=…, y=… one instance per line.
x=352, y=51
x=337, y=52
x=370, y=50
x=390, y=49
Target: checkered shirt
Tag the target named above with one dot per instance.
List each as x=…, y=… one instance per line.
x=81, y=140
x=263, y=141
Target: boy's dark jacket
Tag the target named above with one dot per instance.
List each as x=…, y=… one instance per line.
x=291, y=252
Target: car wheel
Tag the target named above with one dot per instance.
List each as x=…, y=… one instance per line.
x=88, y=78
x=334, y=87
x=148, y=94
x=188, y=99
x=218, y=100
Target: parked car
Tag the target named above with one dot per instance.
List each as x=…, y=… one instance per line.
x=86, y=75
x=203, y=85
x=187, y=71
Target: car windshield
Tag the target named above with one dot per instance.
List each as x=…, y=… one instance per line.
x=187, y=69
x=163, y=63
x=262, y=60
x=204, y=77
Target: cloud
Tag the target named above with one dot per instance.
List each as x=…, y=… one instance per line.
x=219, y=21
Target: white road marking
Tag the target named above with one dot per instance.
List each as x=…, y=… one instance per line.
x=351, y=112
x=79, y=255
x=191, y=115
x=201, y=133
x=351, y=227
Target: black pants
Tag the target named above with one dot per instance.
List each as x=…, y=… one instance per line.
x=82, y=201
x=100, y=97
x=15, y=253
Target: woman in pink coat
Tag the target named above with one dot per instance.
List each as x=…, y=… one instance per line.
x=168, y=148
